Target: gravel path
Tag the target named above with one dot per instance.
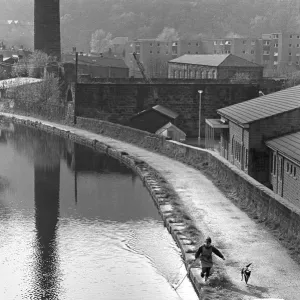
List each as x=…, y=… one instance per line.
x=275, y=275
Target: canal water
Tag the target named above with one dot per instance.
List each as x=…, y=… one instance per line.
x=76, y=224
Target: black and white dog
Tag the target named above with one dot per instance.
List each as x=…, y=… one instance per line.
x=246, y=273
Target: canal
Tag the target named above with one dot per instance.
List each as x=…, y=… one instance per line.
x=76, y=224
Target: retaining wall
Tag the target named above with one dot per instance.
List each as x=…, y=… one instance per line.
x=260, y=201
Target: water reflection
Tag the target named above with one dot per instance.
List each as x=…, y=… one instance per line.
x=85, y=224
x=46, y=197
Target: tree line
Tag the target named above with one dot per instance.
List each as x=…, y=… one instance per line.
x=81, y=19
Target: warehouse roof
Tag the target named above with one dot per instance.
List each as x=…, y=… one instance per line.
x=263, y=107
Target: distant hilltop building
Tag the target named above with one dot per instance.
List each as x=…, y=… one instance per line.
x=47, y=27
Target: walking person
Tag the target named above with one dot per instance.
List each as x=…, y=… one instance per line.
x=205, y=253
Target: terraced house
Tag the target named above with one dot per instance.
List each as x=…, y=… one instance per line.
x=262, y=137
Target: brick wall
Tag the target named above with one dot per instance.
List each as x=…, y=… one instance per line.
x=118, y=102
x=229, y=72
x=47, y=27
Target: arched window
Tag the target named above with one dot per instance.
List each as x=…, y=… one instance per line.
x=191, y=74
x=207, y=74
x=203, y=74
x=214, y=74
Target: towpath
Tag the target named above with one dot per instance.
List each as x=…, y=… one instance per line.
x=275, y=275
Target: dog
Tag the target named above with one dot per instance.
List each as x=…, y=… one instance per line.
x=246, y=273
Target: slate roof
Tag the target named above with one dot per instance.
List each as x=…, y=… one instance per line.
x=167, y=126
x=263, y=107
x=13, y=82
x=214, y=60
x=288, y=145
x=96, y=60
x=161, y=109
x=165, y=111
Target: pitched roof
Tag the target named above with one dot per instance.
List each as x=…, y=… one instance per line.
x=167, y=126
x=160, y=109
x=214, y=60
x=288, y=145
x=96, y=60
x=263, y=107
x=165, y=111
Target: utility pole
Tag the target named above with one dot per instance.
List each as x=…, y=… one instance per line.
x=76, y=81
x=199, y=133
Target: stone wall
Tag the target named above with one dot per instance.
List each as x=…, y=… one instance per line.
x=118, y=102
x=259, y=201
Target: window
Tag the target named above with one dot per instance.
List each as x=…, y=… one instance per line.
x=151, y=44
x=244, y=51
x=266, y=43
x=287, y=167
x=227, y=51
x=266, y=52
x=167, y=52
x=158, y=51
x=298, y=46
x=275, y=53
x=290, y=53
x=274, y=164
x=252, y=51
x=275, y=36
x=275, y=45
x=244, y=42
x=297, y=63
x=189, y=44
x=227, y=42
x=295, y=172
x=290, y=45
x=281, y=168
x=214, y=74
x=275, y=62
x=158, y=44
x=291, y=169
x=291, y=36
x=298, y=36
x=197, y=44
x=253, y=43
x=150, y=51
x=215, y=43
x=221, y=43
x=203, y=74
x=246, y=159
x=271, y=162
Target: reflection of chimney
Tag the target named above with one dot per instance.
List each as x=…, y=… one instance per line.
x=46, y=194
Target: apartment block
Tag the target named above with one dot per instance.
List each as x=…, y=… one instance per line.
x=247, y=48
x=281, y=52
x=154, y=55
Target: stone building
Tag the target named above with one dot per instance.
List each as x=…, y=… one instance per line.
x=247, y=128
x=214, y=66
x=47, y=27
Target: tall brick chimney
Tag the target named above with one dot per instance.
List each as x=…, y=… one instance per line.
x=47, y=27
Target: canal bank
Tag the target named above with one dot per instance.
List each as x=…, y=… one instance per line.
x=206, y=210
